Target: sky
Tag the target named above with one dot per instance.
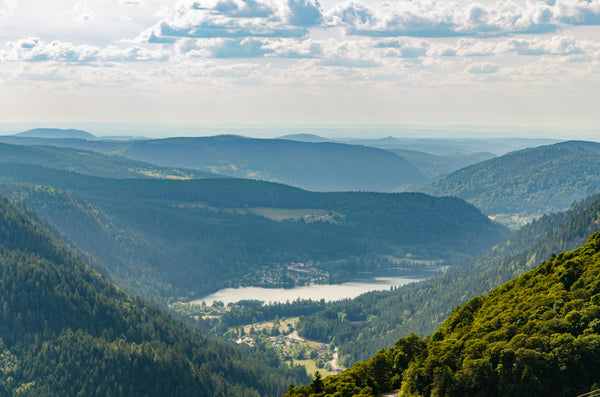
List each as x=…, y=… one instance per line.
x=302, y=62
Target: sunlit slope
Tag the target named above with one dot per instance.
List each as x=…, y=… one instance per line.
x=536, y=335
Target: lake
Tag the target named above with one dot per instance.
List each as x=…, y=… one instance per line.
x=329, y=292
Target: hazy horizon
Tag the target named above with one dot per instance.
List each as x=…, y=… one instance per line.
x=330, y=131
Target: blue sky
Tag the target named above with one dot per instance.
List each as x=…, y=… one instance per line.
x=417, y=62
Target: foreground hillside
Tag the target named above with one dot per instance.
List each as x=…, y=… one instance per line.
x=172, y=238
x=66, y=331
x=536, y=335
x=528, y=182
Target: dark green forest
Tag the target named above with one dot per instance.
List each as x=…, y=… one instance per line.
x=528, y=182
x=165, y=238
x=65, y=330
x=536, y=335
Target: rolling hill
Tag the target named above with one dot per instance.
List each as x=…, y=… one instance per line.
x=92, y=163
x=528, y=182
x=324, y=166
x=313, y=166
x=178, y=237
x=536, y=335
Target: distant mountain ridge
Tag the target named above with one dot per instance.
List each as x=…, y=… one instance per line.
x=324, y=166
x=56, y=133
x=305, y=138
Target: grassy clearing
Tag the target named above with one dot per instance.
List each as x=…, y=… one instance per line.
x=311, y=367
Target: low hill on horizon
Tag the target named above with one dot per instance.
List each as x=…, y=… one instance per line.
x=305, y=138
x=56, y=133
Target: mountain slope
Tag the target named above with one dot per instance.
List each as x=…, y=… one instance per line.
x=65, y=330
x=179, y=237
x=434, y=166
x=529, y=182
x=92, y=163
x=314, y=166
x=536, y=335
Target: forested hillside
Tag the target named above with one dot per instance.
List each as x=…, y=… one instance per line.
x=375, y=320
x=434, y=166
x=92, y=163
x=325, y=166
x=536, y=335
x=318, y=166
x=170, y=238
x=528, y=182
x=66, y=331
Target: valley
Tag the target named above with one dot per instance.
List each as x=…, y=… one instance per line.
x=300, y=198
x=316, y=281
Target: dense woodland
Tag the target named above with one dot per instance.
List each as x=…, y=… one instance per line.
x=535, y=181
x=536, y=335
x=165, y=238
x=66, y=330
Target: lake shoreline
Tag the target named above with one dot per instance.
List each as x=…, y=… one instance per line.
x=330, y=292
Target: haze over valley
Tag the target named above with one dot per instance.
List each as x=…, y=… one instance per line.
x=300, y=198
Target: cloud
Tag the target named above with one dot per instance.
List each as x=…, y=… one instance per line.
x=449, y=19
x=241, y=9
x=82, y=13
x=483, y=68
x=35, y=50
x=239, y=48
x=235, y=19
x=305, y=13
x=7, y=6
x=250, y=48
